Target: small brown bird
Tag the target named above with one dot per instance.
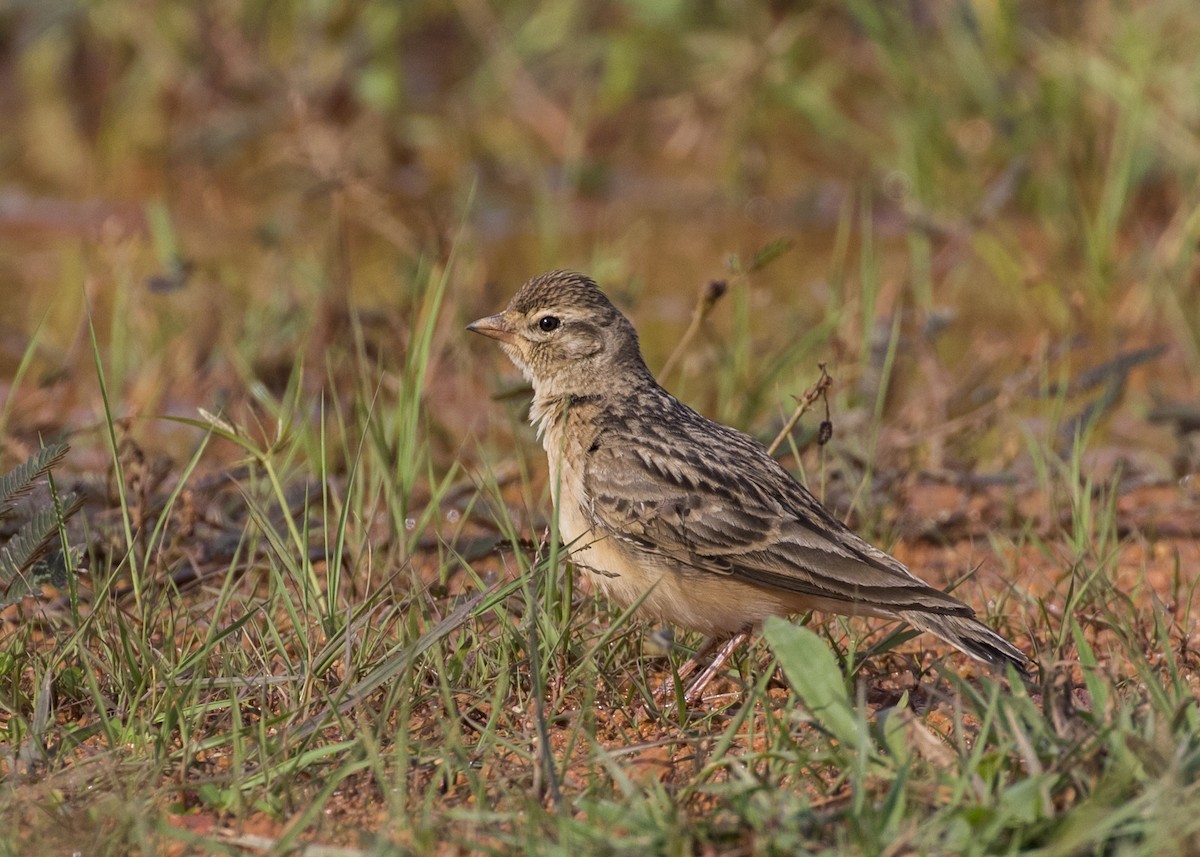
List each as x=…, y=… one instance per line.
x=658, y=503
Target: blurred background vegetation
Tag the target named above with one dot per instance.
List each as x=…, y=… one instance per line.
x=989, y=185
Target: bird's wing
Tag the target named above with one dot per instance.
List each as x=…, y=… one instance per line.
x=734, y=511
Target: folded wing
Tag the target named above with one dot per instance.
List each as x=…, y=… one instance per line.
x=738, y=513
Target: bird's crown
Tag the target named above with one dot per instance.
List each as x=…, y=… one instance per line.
x=559, y=288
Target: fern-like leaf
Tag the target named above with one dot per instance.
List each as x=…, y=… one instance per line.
x=19, y=481
x=33, y=540
x=50, y=570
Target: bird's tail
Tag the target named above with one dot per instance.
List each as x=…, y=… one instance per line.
x=971, y=636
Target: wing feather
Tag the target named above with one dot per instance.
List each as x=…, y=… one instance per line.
x=739, y=513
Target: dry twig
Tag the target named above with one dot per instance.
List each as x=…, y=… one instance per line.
x=709, y=295
x=816, y=391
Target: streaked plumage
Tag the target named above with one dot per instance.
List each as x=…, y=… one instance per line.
x=658, y=501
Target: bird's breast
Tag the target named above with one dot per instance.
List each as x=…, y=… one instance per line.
x=600, y=555
x=566, y=485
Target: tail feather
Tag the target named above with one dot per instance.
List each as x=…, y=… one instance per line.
x=971, y=636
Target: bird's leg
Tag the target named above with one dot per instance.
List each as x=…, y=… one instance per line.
x=726, y=652
x=667, y=688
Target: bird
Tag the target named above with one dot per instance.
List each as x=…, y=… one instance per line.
x=691, y=519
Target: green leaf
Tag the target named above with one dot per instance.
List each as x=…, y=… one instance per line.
x=768, y=253
x=814, y=675
x=19, y=481
x=1097, y=688
x=892, y=732
x=29, y=545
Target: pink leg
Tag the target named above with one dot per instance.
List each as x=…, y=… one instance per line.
x=667, y=688
x=726, y=652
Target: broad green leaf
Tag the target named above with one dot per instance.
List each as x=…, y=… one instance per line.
x=813, y=673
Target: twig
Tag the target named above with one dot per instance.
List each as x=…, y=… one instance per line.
x=816, y=391
x=709, y=295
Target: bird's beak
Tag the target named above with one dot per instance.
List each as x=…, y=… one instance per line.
x=494, y=327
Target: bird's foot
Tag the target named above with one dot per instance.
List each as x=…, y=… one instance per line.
x=666, y=694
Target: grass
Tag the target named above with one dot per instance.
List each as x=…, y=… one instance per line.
x=320, y=607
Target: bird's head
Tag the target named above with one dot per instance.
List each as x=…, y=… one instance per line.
x=567, y=337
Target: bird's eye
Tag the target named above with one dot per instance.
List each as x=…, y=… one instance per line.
x=549, y=323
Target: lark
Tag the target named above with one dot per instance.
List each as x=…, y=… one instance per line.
x=691, y=518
